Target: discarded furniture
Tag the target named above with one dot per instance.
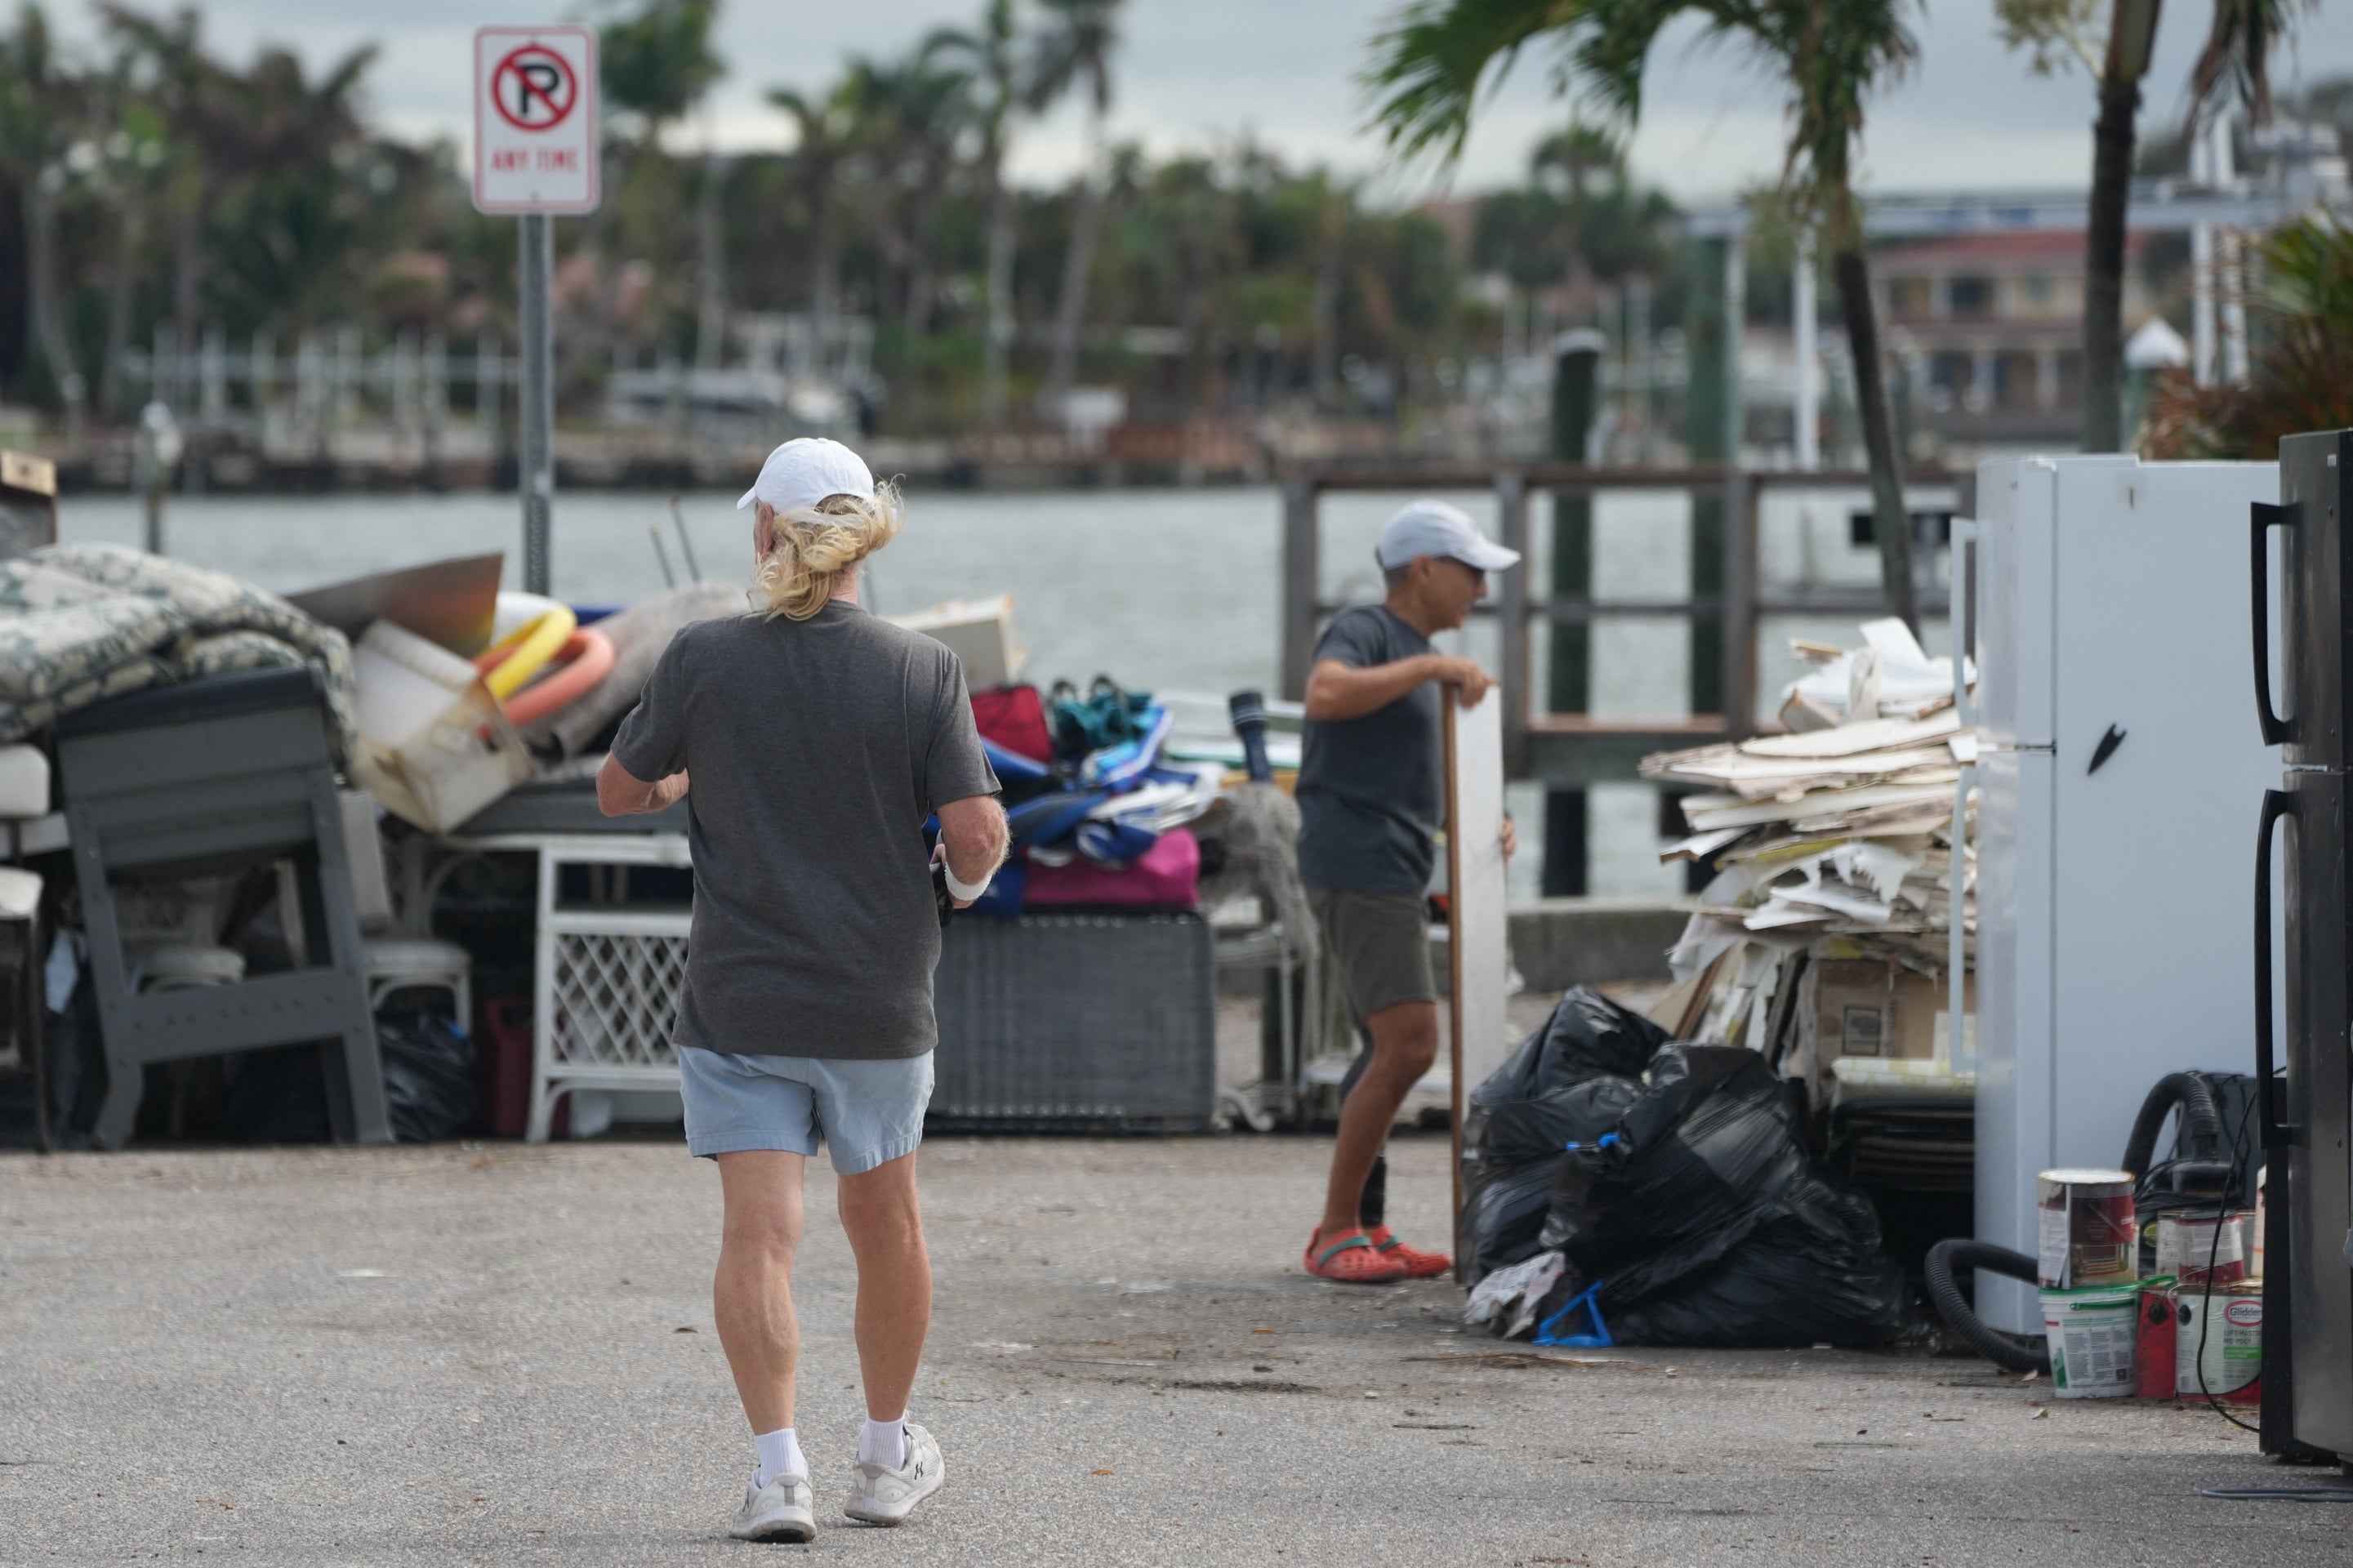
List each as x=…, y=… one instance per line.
x=1068, y=1021
x=2118, y=772
x=2301, y=1119
x=21, y=992
x=1077, y=1022
x=197, y=780
x=398, y=955
x=608, y=970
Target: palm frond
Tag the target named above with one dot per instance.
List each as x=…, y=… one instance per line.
x=2237, y=57
x=1427, y=68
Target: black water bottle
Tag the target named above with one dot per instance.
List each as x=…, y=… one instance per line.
x=1249, y=710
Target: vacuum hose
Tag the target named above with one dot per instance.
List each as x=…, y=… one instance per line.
x=1946, y=1258
x=2201, y=1122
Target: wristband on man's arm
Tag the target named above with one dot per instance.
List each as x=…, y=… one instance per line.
x=967, y=891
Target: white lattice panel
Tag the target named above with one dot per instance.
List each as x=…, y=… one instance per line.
x=617, y=999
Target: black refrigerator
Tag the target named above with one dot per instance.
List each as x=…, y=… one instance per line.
x=2305, y=1089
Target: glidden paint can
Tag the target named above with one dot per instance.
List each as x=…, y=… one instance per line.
x=2153, y=1346
x=2088, y=1233
x=2219, y=1342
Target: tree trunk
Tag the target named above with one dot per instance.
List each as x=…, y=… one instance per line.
x=188, y=272
x=1324, y=370
x=710, y=273
x=1077, y=259
x=2103, y=265
x=824, y=284
x=915, y=314
x=997, y=330
x=1891, y=523
x=118, y=311
x=41, y=296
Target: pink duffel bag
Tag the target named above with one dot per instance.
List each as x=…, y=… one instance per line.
x=1168, y=876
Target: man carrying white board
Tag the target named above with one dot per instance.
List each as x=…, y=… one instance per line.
x=1371, y=799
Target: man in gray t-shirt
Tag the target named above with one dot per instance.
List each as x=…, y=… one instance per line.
x=818, y=740
x=1370, y=801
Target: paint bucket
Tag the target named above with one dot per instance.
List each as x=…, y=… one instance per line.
x=2219, y=1342
x=2088, y=1232
x=2250, y=1237
x=2198, y=1247
x=2153, y=1340
x=2090, y=1334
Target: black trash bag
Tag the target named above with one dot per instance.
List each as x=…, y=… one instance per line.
x=279, y=1096
x=1571, y=1082
x=1703, y=1221
x=1502, y=1215
x=1810, y=1271
x=1587, y=1035
x=428, y=1077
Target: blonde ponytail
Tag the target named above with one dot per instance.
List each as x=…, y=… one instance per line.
x=815, y=545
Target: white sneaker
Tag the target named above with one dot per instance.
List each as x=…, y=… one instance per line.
x=880, y=1496
x=778, y=1511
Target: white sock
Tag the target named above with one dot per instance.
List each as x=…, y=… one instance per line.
x=885, y=1442
x=780, y=1455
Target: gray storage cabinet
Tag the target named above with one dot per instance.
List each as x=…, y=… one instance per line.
x=1076, y=1023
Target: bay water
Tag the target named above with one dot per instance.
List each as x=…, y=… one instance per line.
x=1160, y=589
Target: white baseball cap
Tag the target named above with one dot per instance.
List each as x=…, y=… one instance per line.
x=808, y=470
x=1430, y=527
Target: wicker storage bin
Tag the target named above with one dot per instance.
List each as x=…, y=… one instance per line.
x=1077, y=1022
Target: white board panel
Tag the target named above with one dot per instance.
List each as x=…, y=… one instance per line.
x=1479, y=946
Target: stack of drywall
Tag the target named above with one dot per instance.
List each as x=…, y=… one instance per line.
x=1826, y=933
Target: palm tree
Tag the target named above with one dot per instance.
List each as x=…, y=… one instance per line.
x=1429, y=67
x=990, y=60
x=1074, y=50
x=827, y=131
x=658, y=65
x=188, y=89
x=41, y=118
x=914, y=113
x=2237, y=49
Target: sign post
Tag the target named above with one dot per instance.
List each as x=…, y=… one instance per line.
x=535, y=154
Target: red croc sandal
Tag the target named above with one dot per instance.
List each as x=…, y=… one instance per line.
x=1419, y=1265
x=1353, y=1260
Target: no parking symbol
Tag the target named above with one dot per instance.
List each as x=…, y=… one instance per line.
x=536, y=142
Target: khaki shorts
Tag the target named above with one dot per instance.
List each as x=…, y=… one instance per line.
x=1380, y=943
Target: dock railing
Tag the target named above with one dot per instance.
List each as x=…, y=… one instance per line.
x=1574, y=748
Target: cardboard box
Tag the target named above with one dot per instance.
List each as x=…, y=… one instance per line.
x=1868, y=1008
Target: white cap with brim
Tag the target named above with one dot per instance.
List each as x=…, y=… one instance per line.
x=807, y=470
x=1429, y=527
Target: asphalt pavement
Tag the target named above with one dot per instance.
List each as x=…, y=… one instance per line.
x=499, y=1354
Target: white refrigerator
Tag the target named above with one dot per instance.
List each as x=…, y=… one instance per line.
x=2120, y=768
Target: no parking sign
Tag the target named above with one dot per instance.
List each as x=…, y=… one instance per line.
x=535, y=129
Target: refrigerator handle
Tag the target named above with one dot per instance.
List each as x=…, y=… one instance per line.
x=2276, y=805
x=2265, y=516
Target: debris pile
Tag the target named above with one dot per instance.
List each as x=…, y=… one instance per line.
x=1825, y=936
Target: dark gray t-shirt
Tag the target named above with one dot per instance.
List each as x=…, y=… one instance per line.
x=1369, y=793
x=815, y=750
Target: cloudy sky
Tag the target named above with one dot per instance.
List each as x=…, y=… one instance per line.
x=1192, y=72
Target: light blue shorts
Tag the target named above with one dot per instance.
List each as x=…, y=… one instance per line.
x=865, y=1113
